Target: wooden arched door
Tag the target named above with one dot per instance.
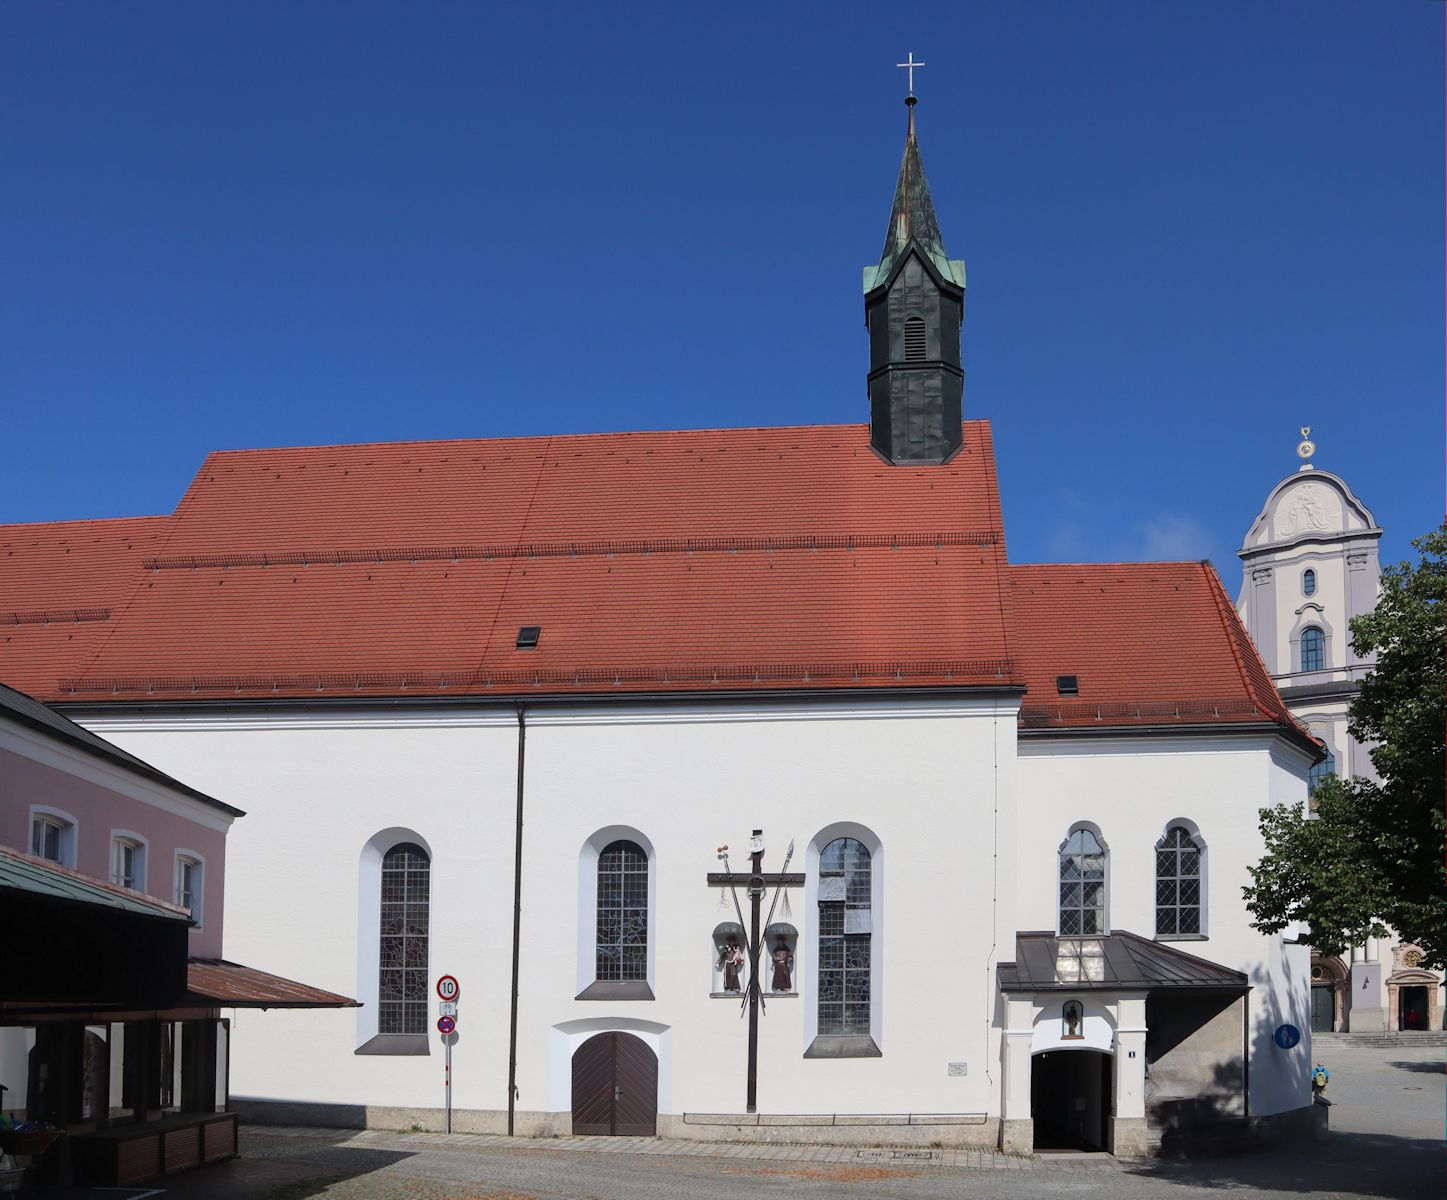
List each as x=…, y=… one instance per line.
x=615, y=1086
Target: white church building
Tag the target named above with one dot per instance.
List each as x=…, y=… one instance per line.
x=493, y=705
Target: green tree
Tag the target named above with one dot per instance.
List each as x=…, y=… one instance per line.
x=1371, y=855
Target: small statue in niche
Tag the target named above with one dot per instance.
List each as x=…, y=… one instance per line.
x=1073, y=1020
x=731, y=960
x=783, y=967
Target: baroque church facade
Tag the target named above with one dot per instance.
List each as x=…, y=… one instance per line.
x=493, y=705
x=1310, y=565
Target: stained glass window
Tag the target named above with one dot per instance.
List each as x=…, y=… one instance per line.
x=845, y=937
x=1082, y=884
x=406, y=888
x=622, y=912
x=1178, y=883
x=1313, y=649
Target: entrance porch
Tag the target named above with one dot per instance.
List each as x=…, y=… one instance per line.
x=1112, y=1041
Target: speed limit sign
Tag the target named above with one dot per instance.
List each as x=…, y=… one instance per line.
x=448, y=988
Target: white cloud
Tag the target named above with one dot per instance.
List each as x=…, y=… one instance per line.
x=1171, y=536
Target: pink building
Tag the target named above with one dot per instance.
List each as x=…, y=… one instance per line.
x=110, y=1001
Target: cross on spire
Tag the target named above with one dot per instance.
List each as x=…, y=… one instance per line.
x=910, y=65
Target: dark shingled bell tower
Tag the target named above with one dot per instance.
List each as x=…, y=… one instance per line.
x=914, y=304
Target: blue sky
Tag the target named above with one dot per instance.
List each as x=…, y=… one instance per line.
x=1189, y=228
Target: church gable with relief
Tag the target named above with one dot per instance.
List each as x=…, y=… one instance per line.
x=1309, y=505
x=1308, y=508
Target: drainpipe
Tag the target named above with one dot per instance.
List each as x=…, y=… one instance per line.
x=1246, y=1055
x=517, y=917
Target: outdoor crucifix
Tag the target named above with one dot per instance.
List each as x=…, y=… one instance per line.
x=757, y=883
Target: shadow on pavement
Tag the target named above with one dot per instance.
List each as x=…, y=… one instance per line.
x=310, y=1172
x=1358, y=1164
x=1427, y=1068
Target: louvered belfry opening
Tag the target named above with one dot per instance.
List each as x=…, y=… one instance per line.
x=915, y=340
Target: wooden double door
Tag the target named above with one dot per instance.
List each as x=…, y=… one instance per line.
x=615, y=1086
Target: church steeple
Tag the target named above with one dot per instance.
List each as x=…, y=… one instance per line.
x=914, y=304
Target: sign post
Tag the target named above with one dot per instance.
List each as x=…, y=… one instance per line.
x=448, y=990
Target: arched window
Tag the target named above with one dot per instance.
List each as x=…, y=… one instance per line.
x=915, y=342
x=1320, y=771
x=622, y=939
x=402, y=962
x=1178, y=884
x=1313, y=648
x=190, y=885
x=128, y=861
x=1082, y=884
x=845, y=936
x=1308, y=582
x=52, y=836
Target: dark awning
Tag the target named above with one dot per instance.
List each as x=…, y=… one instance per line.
x=20, y=872
x=222, y=984
x=1116, y=961
x=77, y=942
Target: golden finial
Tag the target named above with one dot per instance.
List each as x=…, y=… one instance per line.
x=1306, y=449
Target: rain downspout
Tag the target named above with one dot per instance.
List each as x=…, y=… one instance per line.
x=517, y=917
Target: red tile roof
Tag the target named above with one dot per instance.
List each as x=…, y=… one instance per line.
x=708, y=560
x=1154, y=643
x=63, y=587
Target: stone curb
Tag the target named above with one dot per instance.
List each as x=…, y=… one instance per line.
x=979, y=1159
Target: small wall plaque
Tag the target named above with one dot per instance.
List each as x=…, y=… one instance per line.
x=959, y=1068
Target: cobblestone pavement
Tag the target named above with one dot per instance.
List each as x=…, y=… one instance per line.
x=1386, y=1142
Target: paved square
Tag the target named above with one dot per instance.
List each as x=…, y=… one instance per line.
x=1386, y=1141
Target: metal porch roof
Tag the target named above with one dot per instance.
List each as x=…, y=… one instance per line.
x=1113, y=962
x=39, y=876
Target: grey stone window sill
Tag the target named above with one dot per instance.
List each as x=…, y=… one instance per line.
x=833, y=1045
x=1182, y=937
x=396, y=1043
x=616, y=989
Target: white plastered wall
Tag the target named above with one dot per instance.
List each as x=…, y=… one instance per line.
x=315, y=790
x=934, y=782
x=1131, y=788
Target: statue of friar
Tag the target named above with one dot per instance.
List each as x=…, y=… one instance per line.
x=731, y=959
x=783, y=967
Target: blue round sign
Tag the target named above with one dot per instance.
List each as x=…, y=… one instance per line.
x=1286, y=1036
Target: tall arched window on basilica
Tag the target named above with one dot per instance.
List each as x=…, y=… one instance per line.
x=1319, y=772
x=845, y=937
x=622, y=945
x=1178, y=884
x=406, y=900
x=1082, y=884
x=1313, y=649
